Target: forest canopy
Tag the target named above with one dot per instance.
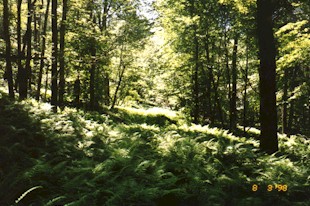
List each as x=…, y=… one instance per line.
x=197, y=56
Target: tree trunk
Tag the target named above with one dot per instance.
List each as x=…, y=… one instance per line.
x=106, y=78
x=37, y=33
x=228, y=75
x=6, y=31
x=120, y=77
x=39, y=84
x=26, y=78
x=92, y=99
x=118, y=86
x=209, y=75
x=245, y=123
x=218, y=112
x=46, y=82
x=54, y=78
x=106, y=88
x=21, y=74
x=291, y=118
x=77, y=92
x=290, y=121
x=195, y=78
x=62, y=54
x=233, y=100
x=284, y=103
x=217, y=100
x=267, y=75
x=195, y=83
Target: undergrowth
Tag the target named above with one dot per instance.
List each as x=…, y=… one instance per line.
x=144, y=158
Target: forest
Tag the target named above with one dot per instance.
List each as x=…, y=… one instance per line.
x=154, y=102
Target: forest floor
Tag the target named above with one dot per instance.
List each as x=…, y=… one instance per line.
x=140, y=157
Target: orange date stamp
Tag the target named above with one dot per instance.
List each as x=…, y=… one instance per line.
x=270, y=188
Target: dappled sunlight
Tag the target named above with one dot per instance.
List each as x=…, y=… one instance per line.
x=154, y=111
x=154, y=103
x=146, y=159
x=167, y=142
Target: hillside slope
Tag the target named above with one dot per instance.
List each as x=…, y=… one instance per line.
x=139, y=157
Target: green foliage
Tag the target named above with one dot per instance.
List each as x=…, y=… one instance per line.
x=295, y=42
x=146, y=157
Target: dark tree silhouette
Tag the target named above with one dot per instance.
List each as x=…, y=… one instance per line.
x=267, y=76
x=62, y=54
x=6, y=33
x=54, y=99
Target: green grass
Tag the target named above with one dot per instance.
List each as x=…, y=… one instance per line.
x=139, y=157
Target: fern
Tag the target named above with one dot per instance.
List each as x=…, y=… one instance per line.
x=26, y=193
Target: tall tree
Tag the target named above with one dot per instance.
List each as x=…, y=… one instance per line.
x=245, y=88
x=6, y=31
x=121, y=72
x=195, y=92
x=92, y=97
x=233, y=100
x=25, y=77
x=54, y=98
x=267, y=76
x=43, y=46
x=103, y=27
x=284, y=102
x=93, y=101
x=21, y=75
x=195, y=77
x=62, y=53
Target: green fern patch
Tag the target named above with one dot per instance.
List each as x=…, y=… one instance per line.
x=139, y=157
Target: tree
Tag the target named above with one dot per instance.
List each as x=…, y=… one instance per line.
x=205, y=62
x=196, y=67
x=43, y=47
x=62, y=53
x=233, y=100
x=21, y=75
x=6, y=32
x=293, y=67
x=267, y=75
x=54, y=78
x=26, y=74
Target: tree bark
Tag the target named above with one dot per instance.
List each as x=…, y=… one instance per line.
x=46, y=82
x=267, y=75
x=8, y=67
x=218, y=110
x=120, y=77
x=293, y=84
x=228, y=75
x=92, y=100
x=118, y=85
x=39, y=84
x=26, y=78
x=54, y=78
x=62, y=54
x=21, y=76
x=195, y=78
x=209, y=75
x=106, y=88
x=291, y=118
x=233, y=100
x=284, y=103
x=77, y=92
x=106, y=78
x=37, y=33
x=195, y=83
x=245, y=122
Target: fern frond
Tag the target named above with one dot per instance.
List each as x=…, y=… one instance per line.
x=26, y=193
